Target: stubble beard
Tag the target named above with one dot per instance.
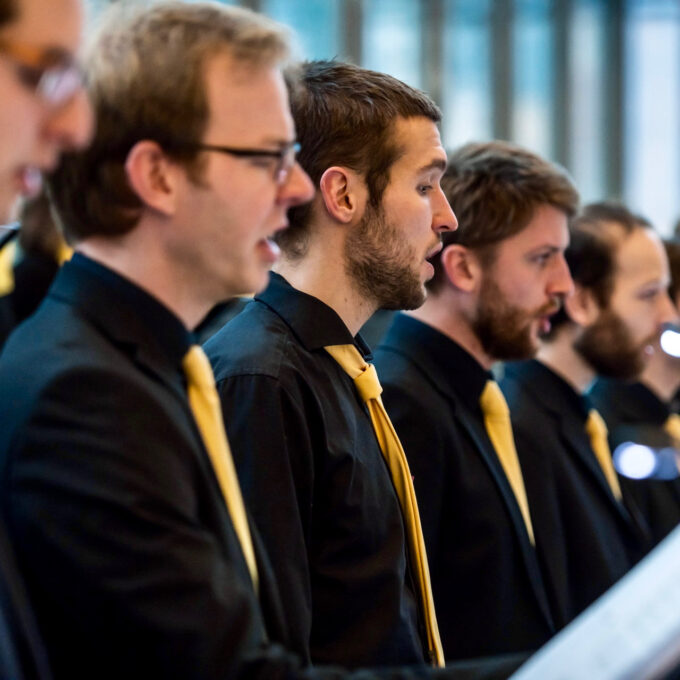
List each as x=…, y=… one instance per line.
x=380, y=264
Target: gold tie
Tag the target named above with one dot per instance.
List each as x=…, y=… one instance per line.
x=205, y=405
x=672, y=428
x=499, y=429
x=367, y=384
x=597, y=431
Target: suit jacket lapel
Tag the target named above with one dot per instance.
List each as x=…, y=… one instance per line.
x=117, y=321
x=573, y=434
x=479, y=436
x=401, y=339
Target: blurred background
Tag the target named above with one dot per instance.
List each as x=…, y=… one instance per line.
x=591, y=84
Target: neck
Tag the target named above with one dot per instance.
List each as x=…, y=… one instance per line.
x=146, y=267
x=662, y=375
x=447, y=313
x=322, y=274
x=560, y=356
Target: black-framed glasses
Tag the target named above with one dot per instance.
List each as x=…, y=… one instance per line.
x=52, y=75
x=284, y=157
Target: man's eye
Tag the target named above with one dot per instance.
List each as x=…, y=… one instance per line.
x=424, y=189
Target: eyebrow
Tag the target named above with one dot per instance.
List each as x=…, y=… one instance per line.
x=281, y=143
x=546, y=247
x=437, y=164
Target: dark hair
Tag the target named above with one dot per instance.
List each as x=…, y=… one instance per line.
x=672, y=247
x=595, y=234
x=345, y=115
x=8, y=11
x=146, y=81
x=494, y=189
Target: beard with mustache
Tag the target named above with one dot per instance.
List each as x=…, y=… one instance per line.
x=504, y=330
x=608, y=347
x=381, y=263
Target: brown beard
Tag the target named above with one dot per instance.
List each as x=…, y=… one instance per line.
x=504, y=330
x=379, y=263
x=609, y=349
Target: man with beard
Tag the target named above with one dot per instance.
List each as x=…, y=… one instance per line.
x=588, y=533
x=646, y=411
x=329, y=489
x=497, y=280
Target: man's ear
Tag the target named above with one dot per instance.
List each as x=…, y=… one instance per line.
x=462, y=267
x=581, y=306
x=343, y=193
x=152, y=176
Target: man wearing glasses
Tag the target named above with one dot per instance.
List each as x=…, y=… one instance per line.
x=132, y=542
x=43, y=110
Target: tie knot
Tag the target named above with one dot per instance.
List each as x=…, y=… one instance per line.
x=595, y=425
x=197, y=368
x=367, y=383
x=493, y=402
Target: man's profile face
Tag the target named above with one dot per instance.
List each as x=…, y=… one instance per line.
x=619, y=343
x=33, y=131
x=226, y=221
x=386, y=254
x=523, y=287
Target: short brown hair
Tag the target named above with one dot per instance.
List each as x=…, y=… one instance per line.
x=494, y=189
x=345, y=115
x=145, y=76
x=595, y=234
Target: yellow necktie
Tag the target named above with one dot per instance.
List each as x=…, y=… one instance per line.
x=367, y=384
x=672, y=428
x=597, y=431
x=499, y=429
x=205, y=405
x=7, y=257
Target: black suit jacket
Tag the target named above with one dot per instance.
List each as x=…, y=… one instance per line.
x=120, y=529
x=627, y=405
x=22, y=654
x=586, y=538
x=487, y=584
x=121, y=532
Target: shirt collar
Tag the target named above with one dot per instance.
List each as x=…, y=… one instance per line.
x=168, y=330
x=313, y=322
x=448, y=363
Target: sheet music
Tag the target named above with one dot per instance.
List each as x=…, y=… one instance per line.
x=631, y=632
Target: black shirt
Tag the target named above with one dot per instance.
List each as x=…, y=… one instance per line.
x=628, y=405
x=315, y=480
x=171, y=336
x=487, y=586
x=585, y=537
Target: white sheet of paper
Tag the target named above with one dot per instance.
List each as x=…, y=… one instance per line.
x=632, y=632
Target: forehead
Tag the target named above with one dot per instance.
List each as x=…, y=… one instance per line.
x=640, y=258
x=248, y=105
x=547, y=228
x=421, y=145
x=47, y=23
